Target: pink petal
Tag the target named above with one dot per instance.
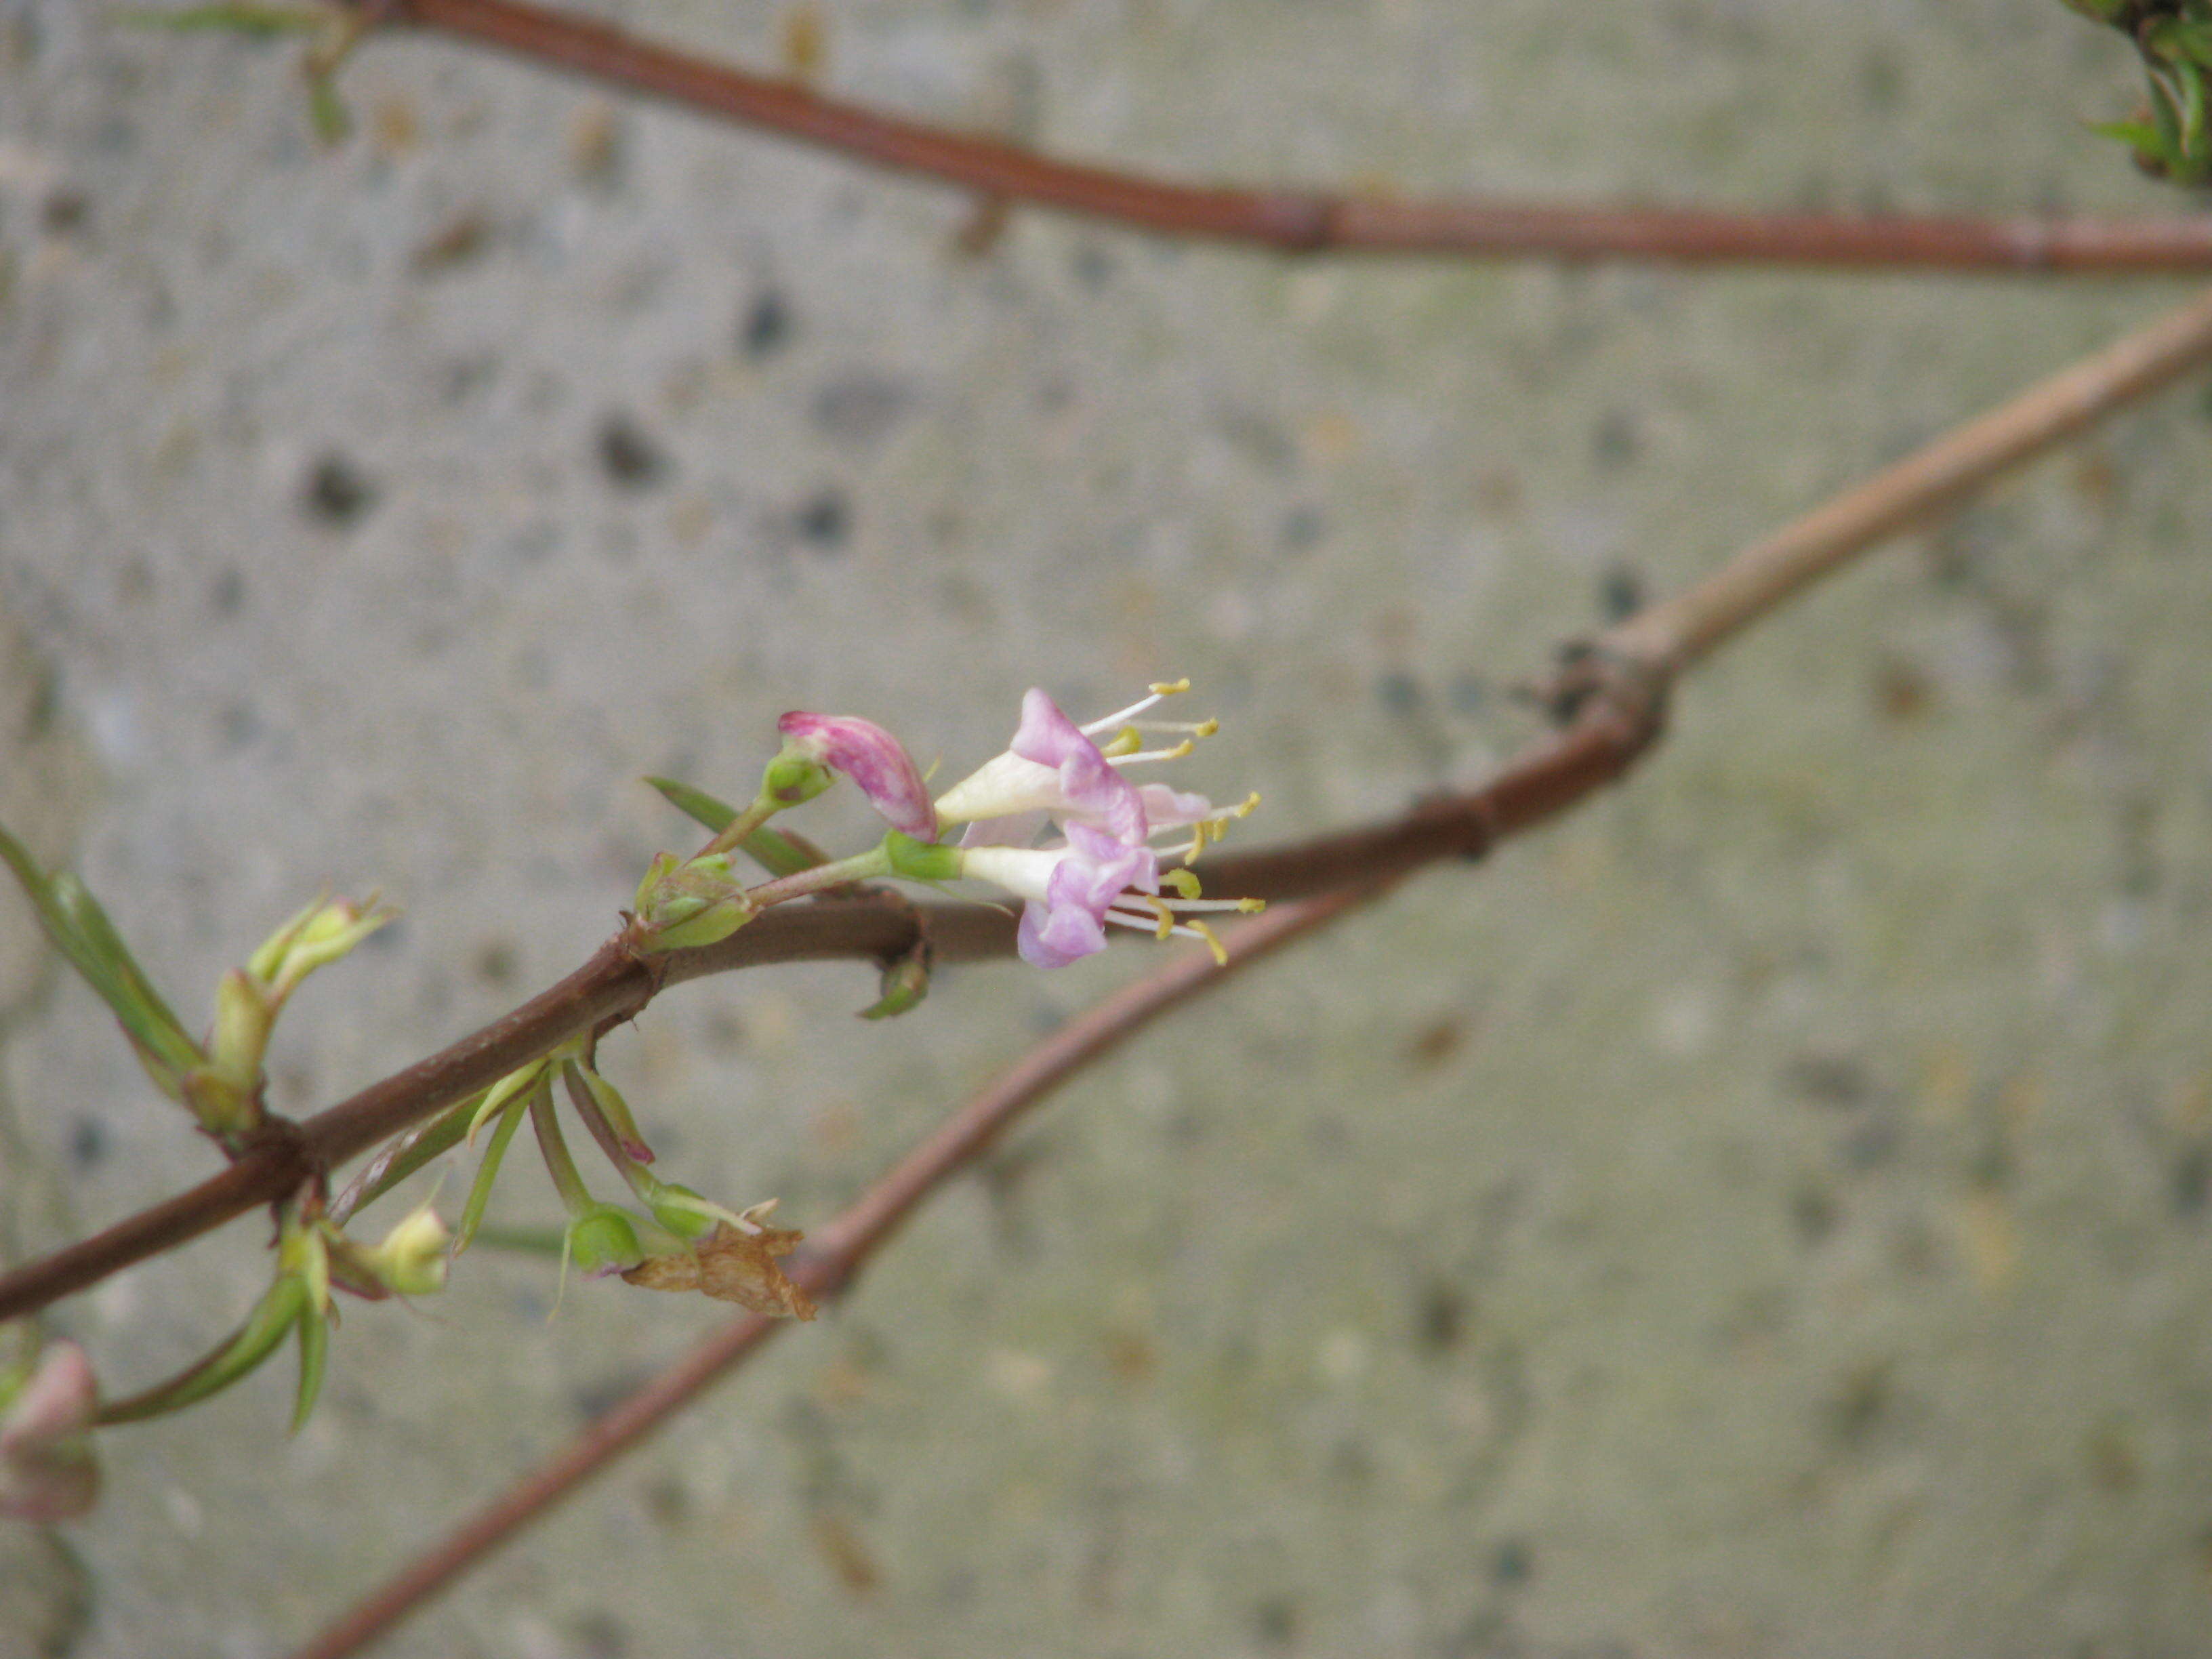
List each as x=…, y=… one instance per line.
x=874, y=759
x=58, y=1401
x=1171, y=809
x=1093, y=789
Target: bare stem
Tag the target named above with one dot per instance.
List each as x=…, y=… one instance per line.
x=1307, y=221
x=1675, y=634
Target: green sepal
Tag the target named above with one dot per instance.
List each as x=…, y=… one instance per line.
x=708, y=927
x=280, y=1308
x=921, y=860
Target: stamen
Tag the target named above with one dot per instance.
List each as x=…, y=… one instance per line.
x=1183, y=882
x=1167, y=919
x=1124, y=742
x=1163, y=689
x=1182, y=907
x=1176, y=753
x=1205, y=728
x=1212, y=943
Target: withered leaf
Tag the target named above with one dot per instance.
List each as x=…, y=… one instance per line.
x=732, y=1266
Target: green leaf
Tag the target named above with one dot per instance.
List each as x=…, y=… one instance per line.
x=403, y=1156
x=281, y=1306
x=487, y=1172
x=81, y=931
x=256, y=23
x=777, y=854
x=533, y=1240
x=314, y=1359
x=328, y=110
x=701, y=808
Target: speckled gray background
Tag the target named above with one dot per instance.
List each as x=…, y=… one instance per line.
x=1765, y=1215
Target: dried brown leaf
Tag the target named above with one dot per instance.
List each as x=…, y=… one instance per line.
x=732, y=1266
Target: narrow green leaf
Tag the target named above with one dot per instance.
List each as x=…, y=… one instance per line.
x=328, y=110
x=402, y=1157
x=280, y=1307
x=257, y=22
x=314, y=1359
x=81, y=931
x=534, y=1241
x=487, y=1172
x=701, y=808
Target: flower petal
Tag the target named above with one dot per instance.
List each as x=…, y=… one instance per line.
x=874, y=759
x=1093, y=790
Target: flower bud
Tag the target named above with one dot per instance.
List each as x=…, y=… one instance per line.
x=863, y=752
x=690, y=902
x=411, y=1261
x=602, y=1240
x=46, y=1468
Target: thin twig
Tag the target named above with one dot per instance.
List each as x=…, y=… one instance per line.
x=1671, y=636
x=829, y=1266
x=1306, y=221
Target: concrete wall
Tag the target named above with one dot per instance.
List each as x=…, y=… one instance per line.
x=1765, y=1215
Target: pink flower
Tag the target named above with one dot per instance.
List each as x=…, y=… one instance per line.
x=1056, y=769
x=47, y=1469
x=1070, y=891
x=873, y=758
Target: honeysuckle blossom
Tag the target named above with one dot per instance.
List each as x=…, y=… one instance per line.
x=871, y=757
x=46, y=1468
x=1070, y=891
x=1056, y=769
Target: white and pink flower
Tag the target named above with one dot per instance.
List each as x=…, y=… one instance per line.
x=1107, y=869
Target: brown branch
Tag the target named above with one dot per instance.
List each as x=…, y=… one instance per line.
x=1620, y=680
x=1306, y=221
x=829, y=1266
x=1673, y=634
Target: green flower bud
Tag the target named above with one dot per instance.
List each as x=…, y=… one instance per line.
x=794, y=776
x=602, y=1240
x=411, y=1261
x=696, y=902
x=243, y=1017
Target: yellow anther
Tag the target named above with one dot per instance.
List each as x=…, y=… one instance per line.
x=1251, y=907
x=1206, y=728
x=1212, y=943
x=1166, y=916
x=1125, y=742
x=1183, y=882
x=1251, y=803
x=1169, y=689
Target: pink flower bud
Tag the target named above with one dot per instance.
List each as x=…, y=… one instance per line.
x=47, y=1469
x=874, y=759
